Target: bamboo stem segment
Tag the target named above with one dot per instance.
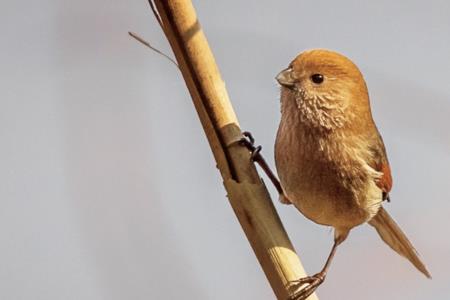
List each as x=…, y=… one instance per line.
x=247, y=193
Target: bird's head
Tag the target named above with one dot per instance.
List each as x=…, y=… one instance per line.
x=326, y=88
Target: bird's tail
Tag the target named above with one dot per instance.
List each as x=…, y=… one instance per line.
x=392, y=235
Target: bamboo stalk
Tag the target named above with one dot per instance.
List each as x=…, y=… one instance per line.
x=247, y=193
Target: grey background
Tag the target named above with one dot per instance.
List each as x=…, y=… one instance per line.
x=108, y=188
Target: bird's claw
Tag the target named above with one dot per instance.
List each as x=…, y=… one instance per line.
x=249, y=142
x=304, y=287
x=250, y=137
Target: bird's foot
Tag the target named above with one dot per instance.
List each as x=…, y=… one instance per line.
x=304, y=287
x=249, y=142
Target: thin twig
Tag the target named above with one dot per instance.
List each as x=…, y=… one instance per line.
x=145, y=43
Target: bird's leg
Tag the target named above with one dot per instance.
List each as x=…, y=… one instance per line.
x=312, y=282
x=249, y=142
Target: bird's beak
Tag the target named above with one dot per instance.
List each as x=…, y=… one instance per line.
x=285, y=79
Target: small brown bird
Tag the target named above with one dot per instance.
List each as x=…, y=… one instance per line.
x=330, y=157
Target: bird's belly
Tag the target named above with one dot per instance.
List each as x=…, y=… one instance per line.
x=320, y=195
x=339, y=212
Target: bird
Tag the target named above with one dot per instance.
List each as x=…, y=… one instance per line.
x=330, y=157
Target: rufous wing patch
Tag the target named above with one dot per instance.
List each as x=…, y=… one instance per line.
x=385, y=182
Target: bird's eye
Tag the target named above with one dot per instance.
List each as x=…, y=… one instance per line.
x=317, y=78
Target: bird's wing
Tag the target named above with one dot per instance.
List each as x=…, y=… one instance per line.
x=381, y=164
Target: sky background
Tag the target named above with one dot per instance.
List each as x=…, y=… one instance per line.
x=108, y=186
